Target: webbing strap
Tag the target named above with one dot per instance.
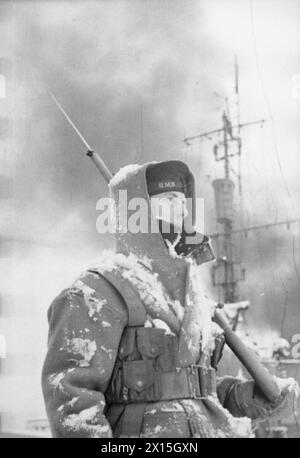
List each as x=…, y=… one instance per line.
x=134, y=305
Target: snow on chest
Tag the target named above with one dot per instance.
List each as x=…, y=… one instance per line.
x=198, y=328
x=152, y=293
x=195, y=316
x=138, y=271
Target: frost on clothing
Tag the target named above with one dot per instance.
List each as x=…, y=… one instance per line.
x=224, y=425
x=289, y=384
x=141, y=283
x=138, y=272
x=82, y=347
x=80, y=358
x=94, y=305
x=123, y=173
x=198, y=330
x=88, y=421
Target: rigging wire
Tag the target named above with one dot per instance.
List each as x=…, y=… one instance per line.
x=284, y=306
x=276, y=149
x=294, y=259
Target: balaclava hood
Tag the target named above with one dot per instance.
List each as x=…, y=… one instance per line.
x=129, y=188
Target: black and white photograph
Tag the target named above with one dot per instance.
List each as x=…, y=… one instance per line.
x=149, y=221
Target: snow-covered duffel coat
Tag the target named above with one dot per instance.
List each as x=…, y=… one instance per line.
x=133, y=350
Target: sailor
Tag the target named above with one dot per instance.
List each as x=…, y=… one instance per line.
x=133, y=349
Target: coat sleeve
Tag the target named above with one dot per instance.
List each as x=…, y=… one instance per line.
x=86, y=323
x=242, y=398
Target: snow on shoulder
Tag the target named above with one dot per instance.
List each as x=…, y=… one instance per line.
x=138, y=271
x=93, y=303
x=84, y=348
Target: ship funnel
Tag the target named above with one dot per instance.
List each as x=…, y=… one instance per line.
x=224, y=188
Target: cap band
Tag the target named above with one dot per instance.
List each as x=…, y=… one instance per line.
x=156, y=187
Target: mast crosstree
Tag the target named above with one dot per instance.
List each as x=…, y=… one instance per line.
x=227, y=271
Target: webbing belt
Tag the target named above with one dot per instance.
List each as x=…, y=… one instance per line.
x=193, y=382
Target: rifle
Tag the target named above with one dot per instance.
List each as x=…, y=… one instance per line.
x=261, y=376
x=99, y=163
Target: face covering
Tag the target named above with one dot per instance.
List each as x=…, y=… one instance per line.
x=169, y=207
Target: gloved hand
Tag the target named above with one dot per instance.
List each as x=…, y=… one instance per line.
x=244, y=398
x=288, y=403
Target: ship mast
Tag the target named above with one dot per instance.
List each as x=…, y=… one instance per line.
x=227, y=271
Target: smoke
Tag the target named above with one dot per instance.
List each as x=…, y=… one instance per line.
x=121, y=73
x=136, y=78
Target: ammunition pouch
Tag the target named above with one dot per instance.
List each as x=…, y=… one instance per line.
x=146, y=370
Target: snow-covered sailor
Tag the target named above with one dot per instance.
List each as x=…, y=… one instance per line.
x=133, y=350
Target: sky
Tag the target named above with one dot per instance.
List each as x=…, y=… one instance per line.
x=137, y=77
